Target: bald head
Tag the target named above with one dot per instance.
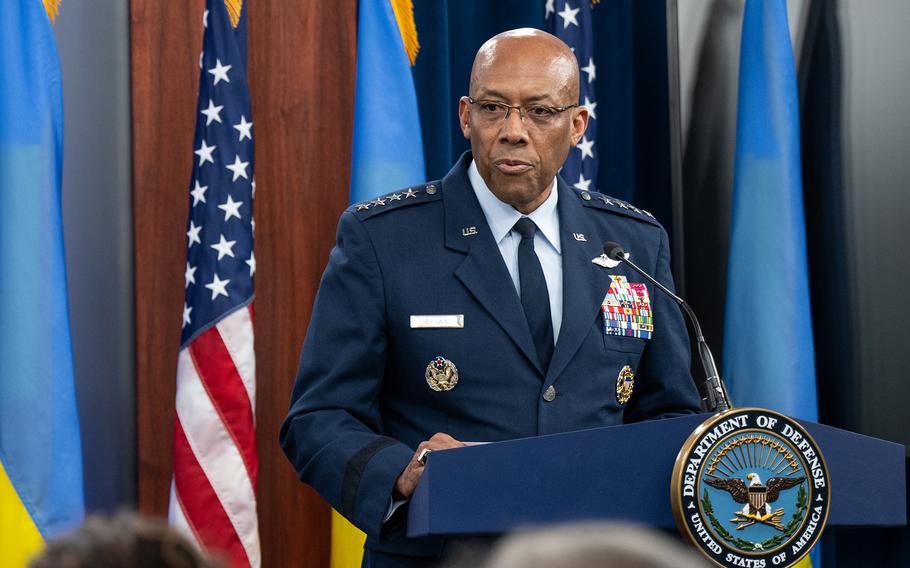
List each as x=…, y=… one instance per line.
x=522, y=114
x=549, y=54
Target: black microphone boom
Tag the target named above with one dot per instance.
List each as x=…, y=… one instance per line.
x=717, y=399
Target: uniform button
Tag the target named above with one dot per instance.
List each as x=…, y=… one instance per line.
x=431, y=190
x=586, y=196
x=549, y=395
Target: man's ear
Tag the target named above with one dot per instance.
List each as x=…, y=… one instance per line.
x=579, y=123
x=464, y=117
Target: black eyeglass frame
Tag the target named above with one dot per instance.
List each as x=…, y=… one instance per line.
x=521, y=115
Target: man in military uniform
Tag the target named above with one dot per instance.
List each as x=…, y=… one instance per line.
x=479, y=308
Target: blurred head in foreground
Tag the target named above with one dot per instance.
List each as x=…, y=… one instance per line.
x=592, y=545
x=126, y=540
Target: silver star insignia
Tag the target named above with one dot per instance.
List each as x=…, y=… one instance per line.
x=363, y=206
x=410, y=193
x=395, y=197
x=378, y=201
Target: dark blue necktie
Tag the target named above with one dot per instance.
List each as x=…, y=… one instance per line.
x=535, y=299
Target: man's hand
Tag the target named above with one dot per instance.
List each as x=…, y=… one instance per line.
x=407, y=481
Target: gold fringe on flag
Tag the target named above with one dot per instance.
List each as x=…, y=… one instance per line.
x=233, y=8
x=404, y=15
x=52, y=7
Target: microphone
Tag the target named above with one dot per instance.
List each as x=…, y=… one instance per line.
x=717, y=399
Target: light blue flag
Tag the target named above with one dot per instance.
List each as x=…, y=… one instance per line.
x=769, y=358
x=387, y=155
x=388, y=149
x=40, y=447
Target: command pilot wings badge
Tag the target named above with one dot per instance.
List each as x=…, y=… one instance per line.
x=605, y=262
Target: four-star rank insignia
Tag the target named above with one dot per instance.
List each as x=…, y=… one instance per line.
x=625, y=382
x=441, y=374
x=750, y=488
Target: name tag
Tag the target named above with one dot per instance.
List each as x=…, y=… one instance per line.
x=437, y=322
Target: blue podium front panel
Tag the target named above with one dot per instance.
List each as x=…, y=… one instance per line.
x=623, y=473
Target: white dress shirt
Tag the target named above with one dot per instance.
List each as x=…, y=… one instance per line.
x=501, y=217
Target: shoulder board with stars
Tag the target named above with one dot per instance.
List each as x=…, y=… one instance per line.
x=607, y=203
x=408, y=196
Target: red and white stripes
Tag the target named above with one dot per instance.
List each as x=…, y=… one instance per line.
x=213, y=492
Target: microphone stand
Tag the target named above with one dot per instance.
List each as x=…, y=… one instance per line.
x=717, y=399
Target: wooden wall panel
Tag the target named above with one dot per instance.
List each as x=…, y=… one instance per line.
x=164, y=36
x=301, y=72
x=302, y=68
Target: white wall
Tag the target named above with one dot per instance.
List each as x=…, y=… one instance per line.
x=876, y=120
x=93, y=43
x=693, y=25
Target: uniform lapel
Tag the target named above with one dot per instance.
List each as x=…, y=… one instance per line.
x=483, y=272
x=584, y=283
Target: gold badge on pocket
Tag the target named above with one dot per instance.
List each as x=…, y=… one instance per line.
x=625, y=382
x=441, y=375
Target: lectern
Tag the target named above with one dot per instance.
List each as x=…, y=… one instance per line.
x=623, y=473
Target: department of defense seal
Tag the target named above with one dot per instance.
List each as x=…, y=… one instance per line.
x=625, y=382
x=750, y=489
x=441, y=374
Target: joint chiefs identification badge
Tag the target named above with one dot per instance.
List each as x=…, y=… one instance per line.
x=750, y=488
x=625, y=382
x=441, y=375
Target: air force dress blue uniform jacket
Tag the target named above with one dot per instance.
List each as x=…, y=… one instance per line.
x=361, y=403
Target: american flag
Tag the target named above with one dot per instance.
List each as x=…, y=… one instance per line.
x=570, y=21
x=213, y=491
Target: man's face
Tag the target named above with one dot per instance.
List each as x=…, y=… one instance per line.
x=516, y=157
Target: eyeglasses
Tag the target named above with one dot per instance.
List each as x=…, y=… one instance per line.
x=495, y=111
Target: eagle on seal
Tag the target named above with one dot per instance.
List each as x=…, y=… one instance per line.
x=756, y=496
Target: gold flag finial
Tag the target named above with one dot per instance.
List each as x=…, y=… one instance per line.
x=404, y=15
x=52, y=7
x=234, y=7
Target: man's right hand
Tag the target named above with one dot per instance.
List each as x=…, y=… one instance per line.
x=407, y=481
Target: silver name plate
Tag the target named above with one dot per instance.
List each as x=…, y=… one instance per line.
x=435, y=322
